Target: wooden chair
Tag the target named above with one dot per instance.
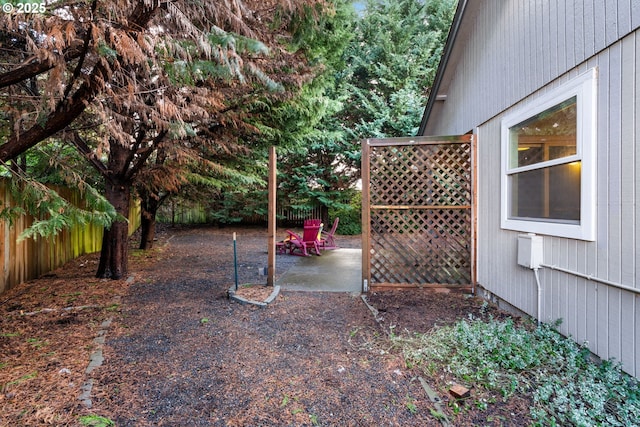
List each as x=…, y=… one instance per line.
x=312, y=222
x=309, y=240
x=327, y=239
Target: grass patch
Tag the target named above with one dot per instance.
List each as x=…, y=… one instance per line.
x=36, y=342
x=71, y=297
x=10, y=334
x=113, y=307
x=410, y=404
x=137, y=253
x=568, y=388
x=72, y=294
x=22, y=379
x=96, y=421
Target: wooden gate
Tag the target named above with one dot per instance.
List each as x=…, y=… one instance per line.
x=417, y=212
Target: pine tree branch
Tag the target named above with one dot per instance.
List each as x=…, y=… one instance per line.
x=65, y=113
x=142, y=157
x=88, y=153
x=140, y=136
x=83, y=54
x=36, y=67
x=68, y=109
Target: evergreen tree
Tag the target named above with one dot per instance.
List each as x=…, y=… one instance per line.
x=377, y=70
x=295, y=125
x=113, y=66
x=377, y=88
x=391, y=64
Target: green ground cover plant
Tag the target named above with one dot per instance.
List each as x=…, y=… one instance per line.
x=568, y=387
x=96, y=421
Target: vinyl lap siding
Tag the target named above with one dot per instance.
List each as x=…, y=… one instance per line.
x=515, y=51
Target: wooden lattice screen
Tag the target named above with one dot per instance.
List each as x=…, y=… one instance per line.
x=417, y=216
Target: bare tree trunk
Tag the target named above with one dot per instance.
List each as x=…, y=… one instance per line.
x=147, y=232
x=115, y=251
x=149, y=207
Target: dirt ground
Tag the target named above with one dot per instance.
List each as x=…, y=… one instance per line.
x=179, y=352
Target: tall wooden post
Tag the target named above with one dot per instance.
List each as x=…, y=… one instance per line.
x=271, y=218
x=366, y=217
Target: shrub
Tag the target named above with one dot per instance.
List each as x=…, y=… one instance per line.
x=568, y=388
x=350, y=215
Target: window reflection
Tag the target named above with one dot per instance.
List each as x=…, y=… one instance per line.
x=546, y=192
x=551, y=193
x=548, y=135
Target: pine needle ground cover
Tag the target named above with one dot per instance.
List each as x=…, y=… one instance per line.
x=179, y=352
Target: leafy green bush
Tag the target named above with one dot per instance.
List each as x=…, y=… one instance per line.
x=568, y=388
x=350, y=215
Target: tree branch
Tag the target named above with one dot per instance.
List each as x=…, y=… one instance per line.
x=70, y=108
x=36, y=67
x=83, y=55
x=88, y=153
x=145, y=155
x=65, y=113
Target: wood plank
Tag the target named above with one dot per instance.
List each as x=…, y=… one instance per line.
x=589, y=28
x=366, y=216
x=579, y=30
x=570, y=35
x=636, y=137
x=419, y=140
x=430, y=286
x=599, y=25
x=634, y=369
x=614, y=324
x=528, y=77
x=611, y=16
x=629, y=332
x=603, y=170
x=474, y=208
x=561, y=47
x=544, y=26
x=553, y=39
x=628, y=165
x=271, y=215
x=427, y=207
x=602, y=325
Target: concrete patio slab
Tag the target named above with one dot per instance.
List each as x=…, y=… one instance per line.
x=338, y=270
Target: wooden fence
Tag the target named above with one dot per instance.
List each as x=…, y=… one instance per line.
x=29, y=258
x=290, y=216
x=198, y=213
x=417, y=205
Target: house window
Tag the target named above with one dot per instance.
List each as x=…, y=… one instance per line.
x=548, y=146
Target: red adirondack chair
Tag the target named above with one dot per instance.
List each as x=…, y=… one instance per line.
x=327, y=240
x=309, y=240
x=312, y=222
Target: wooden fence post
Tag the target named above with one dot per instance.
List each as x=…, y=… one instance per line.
x=271, y=251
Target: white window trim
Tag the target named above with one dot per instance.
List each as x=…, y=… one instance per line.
x=584, y=87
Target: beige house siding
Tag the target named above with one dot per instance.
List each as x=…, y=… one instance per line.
x=513, y=48
x=508, y=52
